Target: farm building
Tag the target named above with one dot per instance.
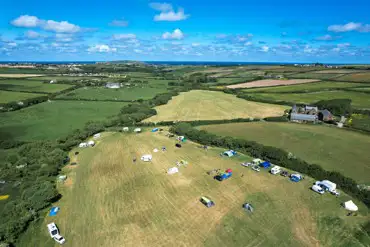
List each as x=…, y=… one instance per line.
x=112, y=85
x=325, y=115
x=303, y=117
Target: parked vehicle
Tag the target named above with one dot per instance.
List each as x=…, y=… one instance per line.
x=247, y=164
x=225, y=175
x=318, y=189
x=275, y=170
x=206, y=201
x=284, y=173
x=256, y=168
x=59, y=239
x=54, y=233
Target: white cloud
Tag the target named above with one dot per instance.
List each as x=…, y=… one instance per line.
x=326, y=37
x=344, y=45
x=26, y=21
x=248, y=43
x=167, y=13
x=195, y=44
x=176, y=34
x=101, y=48
x=265, y=48
x=351, y=26
x=12, y=44
x=336, y=49
x=32, y=34
x=124, y=36
x=119, y=23
x=49, y=25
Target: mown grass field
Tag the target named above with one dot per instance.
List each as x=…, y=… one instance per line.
x=64, y=78
x=31, y=85
x=332, y=148
x=359, y=100
x=359, y=77
x=315, y=75
x=338, y=71
x=109, y=201
x=361, y=89
x=310, y=87
x=231, y=80
x=7, y=96
x=210, y=105
x=52, y=120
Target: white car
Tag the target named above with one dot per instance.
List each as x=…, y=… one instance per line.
x=318, y=189
x=59, y=239
x=255, y=168
x=54, y=233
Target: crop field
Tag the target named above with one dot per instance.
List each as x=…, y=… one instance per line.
x=209, y=105
x=125, y=209
x=322, y=145
x=311, y=87
x=314, y=75
x=338, y=71
x=52, y=120
x=360, y=77
x=7, y=96
x=31, y=85
x=271, y=82
x=359, y=99
x=100, y=93
x=230, y=80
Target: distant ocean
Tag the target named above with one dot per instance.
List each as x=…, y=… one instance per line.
x=167, y=63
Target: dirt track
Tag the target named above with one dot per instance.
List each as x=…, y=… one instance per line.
x=268, y=82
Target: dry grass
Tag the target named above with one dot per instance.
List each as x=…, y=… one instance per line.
x=209, y=105
x=18, y=75
x=337, y=71
x=268, y=83
x=114, y=201
x=360, y=77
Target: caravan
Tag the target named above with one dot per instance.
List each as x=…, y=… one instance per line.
x=275, y=170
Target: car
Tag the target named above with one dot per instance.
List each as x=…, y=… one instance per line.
x=246, y=164
x=317, y=189
x=284, y=173
x=59, y=239
x=256, y=168
x=53, y=229
x=207, y=202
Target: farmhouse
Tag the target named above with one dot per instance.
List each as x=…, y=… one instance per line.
x=112, y=85
x=303, y=117
x=325, y=115
x=310, y=114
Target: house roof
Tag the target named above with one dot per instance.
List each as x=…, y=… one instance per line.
x=325, y=113
x=303, y=117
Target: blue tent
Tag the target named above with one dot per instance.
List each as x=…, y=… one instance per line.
x=295, y=177
x=265, y=164
x=155, y=130
x=54, y=211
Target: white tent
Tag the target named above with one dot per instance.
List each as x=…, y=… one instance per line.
x=155, y=150
x=91, y=143
x=82, y=145
x=125, y=129
x=137, y=130
x=173, y=170
x=350, y=206
x=97, y=135
x=146, y=157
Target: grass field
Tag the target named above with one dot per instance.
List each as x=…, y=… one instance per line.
x=209, y=105
x=322, y=145
x=108, y=200
x=64, y=78
x=31, y=85
x=52, y=120
x=338, y=71
x=271, y=82
x=18, y=75
x=231, y=80
x=314, y=75
x=359, y=100
x=360, y=77
x=311, y=87
x=361, y=89
x=7, y=96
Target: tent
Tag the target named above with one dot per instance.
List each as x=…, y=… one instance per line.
x=181, y=138
x=155, y=130
x=229, y=170
x=248, y=207
x=96, y=136
x=83, y=145
x=155, y=150
x=173, y=170
x=257, y=161
x=146, y=157
x=137, y=130
x=54, y=211
x=125, y=129
x=62, y=178
x=229, y=153
x=182, y=163
x=91, y=143
x=265, y=164
x=296, y=177
x=350, y=206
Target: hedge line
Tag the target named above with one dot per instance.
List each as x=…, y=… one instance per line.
x=274, y=155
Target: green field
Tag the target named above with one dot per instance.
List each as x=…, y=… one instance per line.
x=210, y=105
x=108, y=200
x=322, y=145
x=52, y=120
x=7, y=96
x=314, y=75
x=31, y=85
x=309, y=87
x=359, y=100
x=361, y=89
x=64, y=78
x=231, y=80
x=359, y=77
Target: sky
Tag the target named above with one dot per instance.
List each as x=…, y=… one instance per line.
x=186, y=30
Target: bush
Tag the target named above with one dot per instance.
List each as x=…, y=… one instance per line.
x=336, y=106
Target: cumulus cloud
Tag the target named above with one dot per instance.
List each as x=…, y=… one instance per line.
x=119, y=23
x=167, y=12
x=176, y=34
x=265, y=48
x=351, y=26
x=344, y=45
x=32, y=34
x=49, y=25
x=101, y=49
x=328, y=37
x=126, y=36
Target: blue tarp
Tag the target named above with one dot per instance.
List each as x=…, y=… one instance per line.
x=265, y=164
x=54, y=211
x=155, y=130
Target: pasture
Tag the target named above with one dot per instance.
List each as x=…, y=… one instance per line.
x=359, y=77
x=315, y=75
x=8, y=96
x=338, y=71
x=52, y=120
x=359, y=99
x=311, y=87
x=322, y=145
x=138, y=204
x=31, y=86
x=58, y=78
x=270, y=82
x=18, y=75
x=210, y=105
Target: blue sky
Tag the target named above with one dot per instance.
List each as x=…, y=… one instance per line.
x=187, y=30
